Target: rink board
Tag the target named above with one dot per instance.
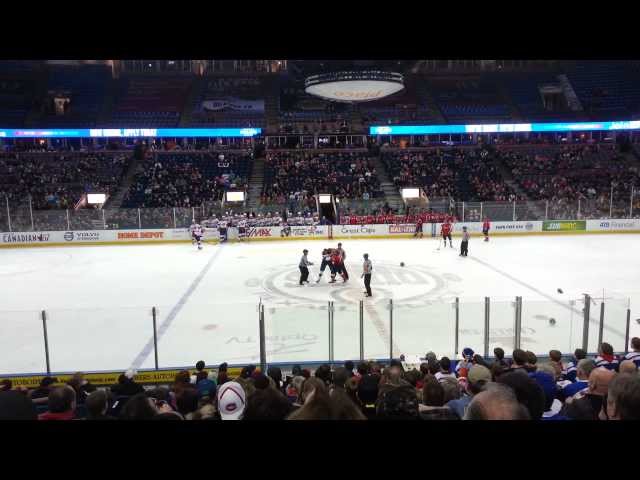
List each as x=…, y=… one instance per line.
x=321, y=232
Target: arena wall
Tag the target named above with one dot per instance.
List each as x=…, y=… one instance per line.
x=320, y=232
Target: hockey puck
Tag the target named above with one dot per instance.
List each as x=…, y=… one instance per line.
x=552, y=321
x=402, y=264
x=560, y=290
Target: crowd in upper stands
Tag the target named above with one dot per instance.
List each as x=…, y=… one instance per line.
x=606, y=387
x=461, y=174
x=297, y=176
x=568, y=174
x=56, y=181
x=187, y=180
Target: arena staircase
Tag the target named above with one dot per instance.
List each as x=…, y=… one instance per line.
x=391, y=193
x=256, y=182
x=115, y=200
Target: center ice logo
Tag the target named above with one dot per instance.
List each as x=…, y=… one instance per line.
x=405, y=285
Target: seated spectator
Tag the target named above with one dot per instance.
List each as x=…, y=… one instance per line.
x=445, y=369
x=200, y=367
x=97, y=404
x=500, y=360
x=15, y=405
x=519, y=360
x=140, y=407
x=340, y=377
x=432, y=406
x=367, y=395
x=556, y=360
x=343, y=407
x=62, y=404
x=634, y=355
x=545, y=377
x=451, y=388
x=496, y=402
x=477, y=378
x=222, y=374
x=586, y=405
x=126, y=385
x=465, y=364
x=6, y=385
x=276, y=375
x=81, y=386
x=323, y=372
x=349, y=366
x=232, y=401
x=627, y=366
x=187, y=402
x=41, y=394
x=316, y=401
x=584, y=369
x=398, y=403
x=527, y=391
x=572, y=366
x=606, y=358
x=623, y=399
x=530, y=365
x=267, y=404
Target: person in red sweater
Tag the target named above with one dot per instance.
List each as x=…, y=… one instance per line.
x=485, y=228
x=445, y=229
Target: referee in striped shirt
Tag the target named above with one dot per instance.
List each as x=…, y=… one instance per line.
x=303, y=265
x=366, y=273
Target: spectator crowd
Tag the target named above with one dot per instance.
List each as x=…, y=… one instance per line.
x=518, y=388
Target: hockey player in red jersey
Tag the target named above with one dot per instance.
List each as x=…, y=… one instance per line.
x=445, y=230
x=418, y=227
x=338, y=267
x=486, y=225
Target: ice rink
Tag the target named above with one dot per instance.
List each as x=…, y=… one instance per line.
x=98, y=300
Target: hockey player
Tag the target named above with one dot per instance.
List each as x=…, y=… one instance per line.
x=222, y=229
x=338, y=267
x=343, y=257
x=485, y=228
x=326, y=262
x=242, y=227
x=445, y=230
x=197, y=232
x=303, y=266
x=418, y=227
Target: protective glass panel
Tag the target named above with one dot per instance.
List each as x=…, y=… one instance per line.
x=22, y=342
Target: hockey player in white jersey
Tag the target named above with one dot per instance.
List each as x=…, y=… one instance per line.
x=222, y=229
x=242, y=227
x=197, y=232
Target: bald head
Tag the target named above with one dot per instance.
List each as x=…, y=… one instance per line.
x=497, y=402
x=627, y=366
x=599, y=381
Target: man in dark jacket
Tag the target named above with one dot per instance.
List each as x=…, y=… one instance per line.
x=127, y=386
x=97, y=404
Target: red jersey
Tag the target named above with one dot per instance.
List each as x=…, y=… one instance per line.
x=446, y=228
x=486, y=225
x=353, y=220
x=389, y=218
x=419, y=221
x=369, y=219
x=336, y=258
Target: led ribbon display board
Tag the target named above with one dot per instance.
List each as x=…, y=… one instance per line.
x=131, y=133
x=502, y=128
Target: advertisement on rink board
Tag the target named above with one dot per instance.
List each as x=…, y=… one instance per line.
x=615, y=225
x=564, y=225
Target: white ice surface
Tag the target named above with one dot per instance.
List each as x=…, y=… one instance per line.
x=98, y=300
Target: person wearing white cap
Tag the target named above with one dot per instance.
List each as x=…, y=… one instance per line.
x=232, y=401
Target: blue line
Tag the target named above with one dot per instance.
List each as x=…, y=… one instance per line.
x=148, y=348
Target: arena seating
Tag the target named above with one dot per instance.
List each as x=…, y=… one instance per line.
x=150, y=101
x=85, y=86
x=58, y=180
x=301, y=175
x=465, y=175
x=16, y=97
x=187, y=179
